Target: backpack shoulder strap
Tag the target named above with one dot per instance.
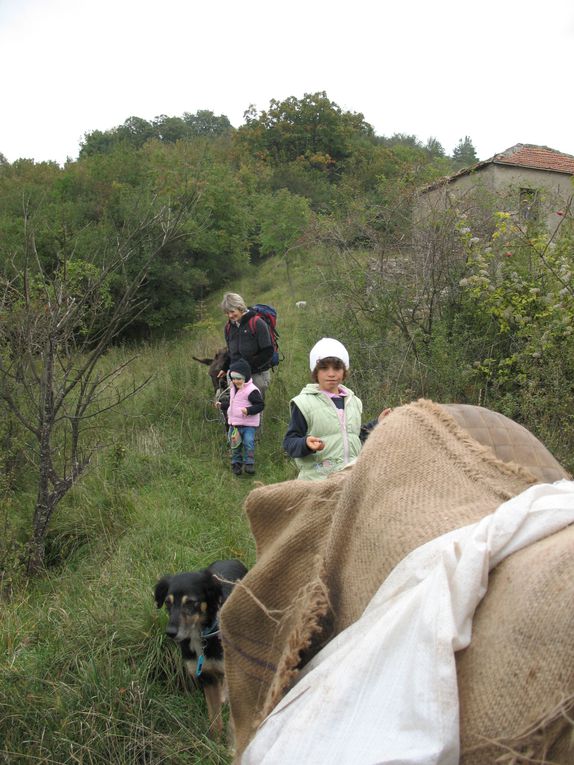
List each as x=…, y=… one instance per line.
x=252, y=323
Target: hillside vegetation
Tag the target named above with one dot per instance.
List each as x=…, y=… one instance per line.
x=302, y=202
x=87, y=675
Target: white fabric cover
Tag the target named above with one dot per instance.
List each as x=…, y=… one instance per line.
x=384, y=691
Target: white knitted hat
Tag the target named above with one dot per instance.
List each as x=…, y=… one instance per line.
x=326, y=347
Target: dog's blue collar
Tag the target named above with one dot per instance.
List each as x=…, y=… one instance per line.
x=207, y=632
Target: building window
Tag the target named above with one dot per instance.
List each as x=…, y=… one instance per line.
x=529, y=206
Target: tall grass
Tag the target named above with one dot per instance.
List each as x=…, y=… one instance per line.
x=87, y=675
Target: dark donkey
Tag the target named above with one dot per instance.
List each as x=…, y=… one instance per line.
x=216, y=365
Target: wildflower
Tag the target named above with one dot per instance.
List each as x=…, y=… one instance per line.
x=508, y=254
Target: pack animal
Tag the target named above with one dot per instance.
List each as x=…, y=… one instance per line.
x=216, y=364
x=193, y=601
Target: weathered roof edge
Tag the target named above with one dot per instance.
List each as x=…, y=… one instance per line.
x=497, y=159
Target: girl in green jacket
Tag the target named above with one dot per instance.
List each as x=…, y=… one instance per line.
x=324, y=433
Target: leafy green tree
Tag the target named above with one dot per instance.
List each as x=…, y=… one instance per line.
x=136, y=131
x=29, y=188
x=283, y=218
x=522, y=281
x=304, y=180
x=401, y=139
x=313, y=128
x=464, y=153
x=170, y=129
x=81, y=208
x=54, y=331
x=374, y=168
x=206, y=123
x=216, y=242
x=97, y=142
x=434, y=147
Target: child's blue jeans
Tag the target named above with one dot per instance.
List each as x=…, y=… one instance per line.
x=245, y=452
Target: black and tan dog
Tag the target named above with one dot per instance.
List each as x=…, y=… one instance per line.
x=193, y=601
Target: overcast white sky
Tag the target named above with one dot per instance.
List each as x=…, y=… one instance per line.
x=500, y=71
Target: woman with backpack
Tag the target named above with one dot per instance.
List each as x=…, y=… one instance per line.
x=248, y=337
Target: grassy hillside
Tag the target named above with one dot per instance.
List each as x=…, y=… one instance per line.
x=87, y=676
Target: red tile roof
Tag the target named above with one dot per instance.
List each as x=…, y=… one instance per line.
x=538, y=157
x=521, y=155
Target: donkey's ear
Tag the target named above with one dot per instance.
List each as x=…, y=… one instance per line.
x=160, y=591
x=202, y=361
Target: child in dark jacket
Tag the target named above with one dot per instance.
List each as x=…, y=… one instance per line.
x=243, y=416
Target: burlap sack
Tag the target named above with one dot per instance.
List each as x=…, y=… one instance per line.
x=324, y=548
x=509, y=441
x=516, y=678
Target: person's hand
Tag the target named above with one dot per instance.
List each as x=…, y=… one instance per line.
x=315, y=444
x=218, y=405
x=384, y=413
x=221, y=374
x=244, y=411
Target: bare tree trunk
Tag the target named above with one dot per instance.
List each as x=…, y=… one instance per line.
x=37, y=544
x=49, y=378
x=44, y=507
